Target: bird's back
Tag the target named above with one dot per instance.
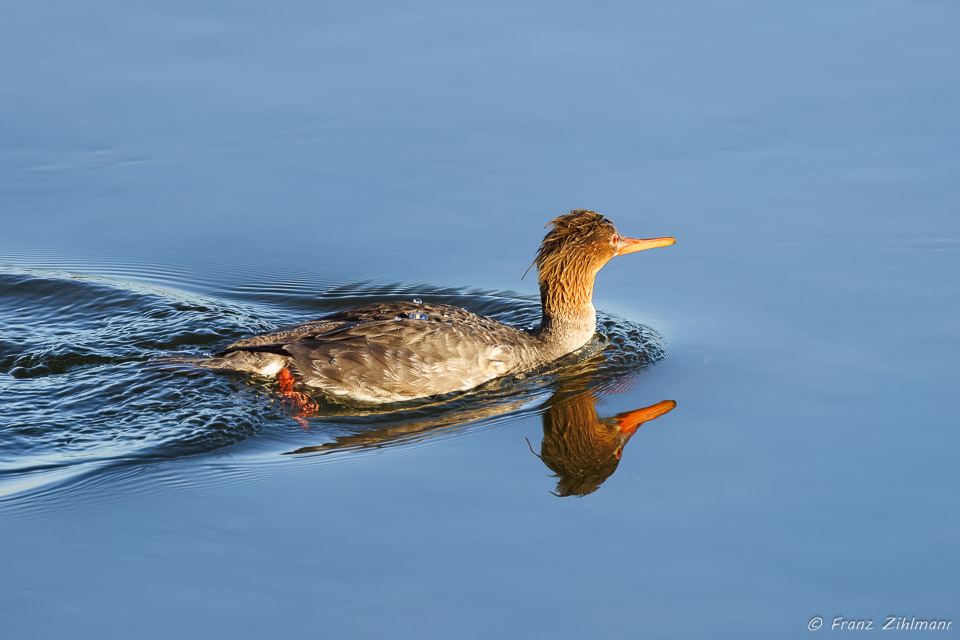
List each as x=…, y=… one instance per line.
x=395, y=351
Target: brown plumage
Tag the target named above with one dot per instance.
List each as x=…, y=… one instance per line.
x=571, y=254
x=398, y=351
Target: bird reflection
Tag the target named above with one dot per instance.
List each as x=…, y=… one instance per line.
x=579, y=447
x=582, y=449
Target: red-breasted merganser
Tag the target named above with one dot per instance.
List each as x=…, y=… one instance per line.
x=396, y=351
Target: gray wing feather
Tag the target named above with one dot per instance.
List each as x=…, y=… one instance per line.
x=397, y=351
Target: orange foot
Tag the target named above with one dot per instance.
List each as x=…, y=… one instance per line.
x=300, y=403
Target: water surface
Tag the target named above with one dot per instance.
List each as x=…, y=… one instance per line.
x=177, y=175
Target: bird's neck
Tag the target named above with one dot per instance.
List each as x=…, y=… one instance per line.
x=569, y=318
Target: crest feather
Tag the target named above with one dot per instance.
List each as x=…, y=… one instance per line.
x=579, y=228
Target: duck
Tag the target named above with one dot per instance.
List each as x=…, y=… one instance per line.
x=402, y=351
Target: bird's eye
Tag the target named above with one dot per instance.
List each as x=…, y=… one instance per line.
x=615, y=239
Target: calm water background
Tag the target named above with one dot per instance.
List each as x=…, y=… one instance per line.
x=225, y=166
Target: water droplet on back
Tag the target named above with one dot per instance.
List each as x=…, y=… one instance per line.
x=417, y=301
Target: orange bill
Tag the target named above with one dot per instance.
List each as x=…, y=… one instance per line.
x=630, y=421
x=640, y=244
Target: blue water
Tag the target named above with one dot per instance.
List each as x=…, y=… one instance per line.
x=176, y=175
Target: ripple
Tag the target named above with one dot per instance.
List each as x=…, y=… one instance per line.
x=92, y=395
